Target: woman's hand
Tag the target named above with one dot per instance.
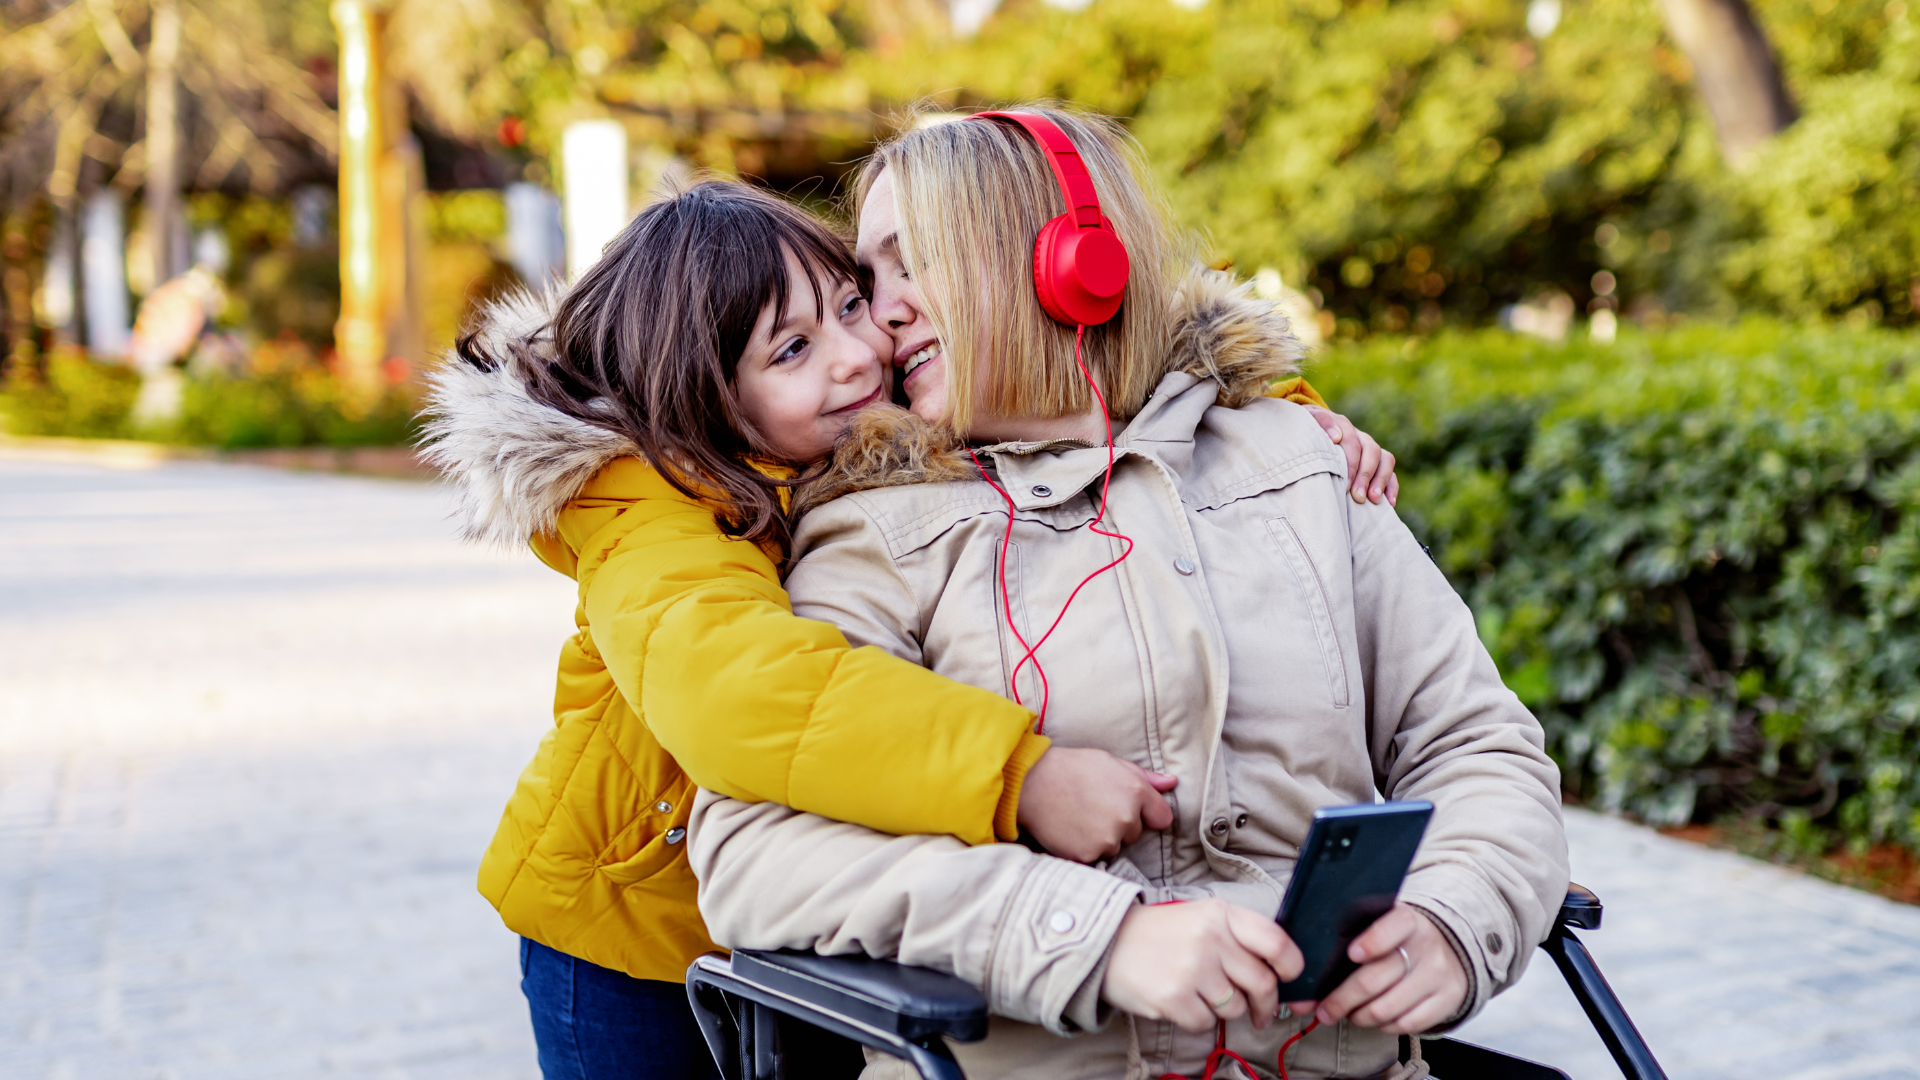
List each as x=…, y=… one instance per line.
x=1198, y=963
x=1368, y=464
x=1086, y=805
x=1400, y=997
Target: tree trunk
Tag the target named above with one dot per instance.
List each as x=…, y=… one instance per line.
x=163, y=144
x=1733, y=67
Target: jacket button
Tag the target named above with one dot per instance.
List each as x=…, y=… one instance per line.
x=1494, y=944
x=1240, y=822
x=663, y=806
x=1219, y=827
x=676, y=834
x=1184, y=565
x=1041, y=491
x=1060, y=922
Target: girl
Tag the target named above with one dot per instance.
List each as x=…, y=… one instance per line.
x=1190, y=540
x=641, y=432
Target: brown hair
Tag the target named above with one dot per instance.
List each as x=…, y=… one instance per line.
x=646, y=343
x=971, y=198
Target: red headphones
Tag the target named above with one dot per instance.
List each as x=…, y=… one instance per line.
x=1079, y=265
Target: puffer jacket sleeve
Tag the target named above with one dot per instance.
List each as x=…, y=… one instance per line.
x=1492, y=869
x=762, y=705
x=1029, y=930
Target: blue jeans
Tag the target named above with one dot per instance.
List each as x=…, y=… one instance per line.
x=594, y=1023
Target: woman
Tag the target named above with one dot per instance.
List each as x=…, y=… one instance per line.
x=638, y=432
x=1284, y=647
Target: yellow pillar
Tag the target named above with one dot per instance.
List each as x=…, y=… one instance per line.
x=367, y=239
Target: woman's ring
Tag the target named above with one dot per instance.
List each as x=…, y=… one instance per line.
x=1216, y=1006
x=1405, y=959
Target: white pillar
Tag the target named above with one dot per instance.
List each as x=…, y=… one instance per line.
x=536, y=243
x=593, y=156
x=103, y=272
x=56, y=283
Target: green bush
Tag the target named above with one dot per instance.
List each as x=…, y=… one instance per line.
x=1696, y=555
x=286, y=408
x=289, y=400
x=72, y=396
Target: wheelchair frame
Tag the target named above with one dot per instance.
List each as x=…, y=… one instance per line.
x=910, y=1012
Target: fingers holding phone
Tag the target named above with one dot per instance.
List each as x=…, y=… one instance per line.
x=1197, y=963
x=1409, y=979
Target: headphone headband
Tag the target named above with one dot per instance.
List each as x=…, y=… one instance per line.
x=1076, y=184
x=1079, y=266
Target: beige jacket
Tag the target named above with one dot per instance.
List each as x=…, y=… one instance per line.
x=1271, y=643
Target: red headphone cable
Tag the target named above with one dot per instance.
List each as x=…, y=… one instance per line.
x=1221, y=1053
x=1006, y=542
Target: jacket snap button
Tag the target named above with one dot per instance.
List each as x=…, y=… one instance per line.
x=1184, y=565
x=1060, y=922
x=1041, y=491
x=1219, y=827
x=1494, y=944
x=663, y=806
x=1240, y=822
x=676, y=834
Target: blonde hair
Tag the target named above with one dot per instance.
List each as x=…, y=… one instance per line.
x=971, y=198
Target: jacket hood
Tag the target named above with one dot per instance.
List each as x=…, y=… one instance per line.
x=516, y=463
x=1221, y=332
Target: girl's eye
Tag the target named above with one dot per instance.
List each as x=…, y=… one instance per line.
x=852, y=306
x=790, y=350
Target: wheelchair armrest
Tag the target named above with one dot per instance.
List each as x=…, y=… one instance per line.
x=911, y=1002
x=1581, y=910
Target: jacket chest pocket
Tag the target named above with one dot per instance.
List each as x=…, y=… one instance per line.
x=1313, y=589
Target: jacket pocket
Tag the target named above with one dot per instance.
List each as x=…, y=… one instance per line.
x=661, y=836
x=1314, y=589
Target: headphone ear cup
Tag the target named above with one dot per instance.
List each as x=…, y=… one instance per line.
x=1080, y=275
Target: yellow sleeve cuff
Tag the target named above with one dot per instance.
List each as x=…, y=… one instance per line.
x=1027, y=751
x=1298, y=391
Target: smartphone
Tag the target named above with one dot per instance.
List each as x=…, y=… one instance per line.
x=1349, y=872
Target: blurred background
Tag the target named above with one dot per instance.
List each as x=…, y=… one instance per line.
x=1630, y=287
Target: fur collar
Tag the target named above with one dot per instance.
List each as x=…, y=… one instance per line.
x=517, y=463
x=1221, y=332
x=514, y=462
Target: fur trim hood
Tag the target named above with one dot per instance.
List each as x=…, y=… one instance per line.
x=516, y=463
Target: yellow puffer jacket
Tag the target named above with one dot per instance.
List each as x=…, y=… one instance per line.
x=688, y=668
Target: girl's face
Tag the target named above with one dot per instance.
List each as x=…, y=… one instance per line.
x=807, y=371
x=914, y=348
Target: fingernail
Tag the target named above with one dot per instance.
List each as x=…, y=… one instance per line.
x=1323, y=1016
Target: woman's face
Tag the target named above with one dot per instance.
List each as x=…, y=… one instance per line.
x=806, y=371
x=915, y=349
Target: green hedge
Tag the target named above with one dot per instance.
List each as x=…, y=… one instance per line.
x=1695, y=555
x=291, y=405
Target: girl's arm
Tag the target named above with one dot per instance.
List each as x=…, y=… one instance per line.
x=757, y=703
x=1369, y=465
x=762, y=705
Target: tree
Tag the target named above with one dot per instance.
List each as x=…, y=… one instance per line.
x=1734, y=70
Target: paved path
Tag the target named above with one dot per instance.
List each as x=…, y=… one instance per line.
x=255, y=728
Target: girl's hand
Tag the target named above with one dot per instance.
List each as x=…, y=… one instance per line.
x=1368, y=464
x=1086, y=805
x=1400, y=997
x=1198, y=963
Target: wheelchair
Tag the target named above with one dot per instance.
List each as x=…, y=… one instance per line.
x=751, y=1004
